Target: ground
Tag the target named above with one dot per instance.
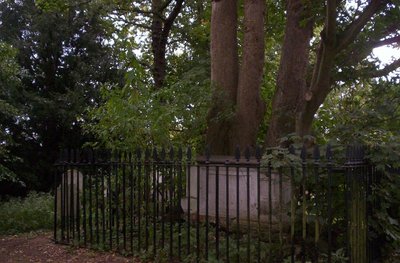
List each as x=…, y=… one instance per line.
x=39, y=247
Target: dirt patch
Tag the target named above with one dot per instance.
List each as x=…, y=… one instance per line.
x=40, y=248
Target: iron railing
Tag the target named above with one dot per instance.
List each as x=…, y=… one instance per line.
x=294, y=206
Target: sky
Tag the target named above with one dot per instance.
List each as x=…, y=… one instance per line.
x=387, y=54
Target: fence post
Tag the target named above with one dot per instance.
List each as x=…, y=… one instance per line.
x=356, y=175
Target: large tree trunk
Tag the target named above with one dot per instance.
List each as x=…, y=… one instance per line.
x=250, y=107
x=332, y=43
x=295, y=106
x=158, y=44
x=295, y=103
x=160, y=29
x=224, y=75
x=288, y=100
x=318, y=90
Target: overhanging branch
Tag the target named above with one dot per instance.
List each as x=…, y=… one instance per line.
x=172, y=16
x=331, y=22
x=357, y=25
x=386, y=70
x=387, y=41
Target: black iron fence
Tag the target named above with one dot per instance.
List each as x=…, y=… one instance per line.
x=289, y=206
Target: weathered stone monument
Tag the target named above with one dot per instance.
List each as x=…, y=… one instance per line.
x=72, y=185
x=229, y=179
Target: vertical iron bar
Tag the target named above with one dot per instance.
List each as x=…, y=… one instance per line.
x=189, y=157
x=207, y=154
x=92, y=172
x=347, y=193
x=78, y=217
x=139, y=195
x=329, y=167
x=117, y=164
x=304, y=204
x=280, y=213
x=163, y=192
x=366, y=212
x=146, y=196
x=369, y=199
x=155, y=202
x=131, y=201
x=293, y=204
x=72, y=206
x=217, y=212
x=237, y=157
x=124, y=199
x=62, y=196
x=171, y=181
x=84, y=207
x=178, y=205
x=90, y=198
x=110, y=203
x=198, y=215
x=316, y=154
x=227, y=209
x=258, y=158
x=247, y=156
x=66, y=199
x=96, y=181
x=270, y=211
x=103, y=204
x=55, y=206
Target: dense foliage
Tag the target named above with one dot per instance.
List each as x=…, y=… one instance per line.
x=33, y=213
x=9, y=84
x=75, y=72
x=61, y=59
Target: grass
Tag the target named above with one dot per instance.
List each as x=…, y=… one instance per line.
x=33, y=213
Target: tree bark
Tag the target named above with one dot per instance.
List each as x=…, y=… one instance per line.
x=158, y=48
x=330, y=46
x=160, y=29
x=291, y=82
x=224, y=75
x=250, y=107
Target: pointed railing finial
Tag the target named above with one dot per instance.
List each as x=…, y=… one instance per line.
x=292, y=150
x=189, y=154
x=258, y=153
x=329, y=153
x=316, y=153
x=138, y=153
x=171, y=153
x=207, y=153
x=147, y=154
x=155, y=154
x=180, y=153
x=237, y=153
x=247, y=153
x=303, y=154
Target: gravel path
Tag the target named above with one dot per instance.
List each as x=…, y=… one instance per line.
x=40, y=248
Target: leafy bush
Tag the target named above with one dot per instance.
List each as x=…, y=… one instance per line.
x=35, y=212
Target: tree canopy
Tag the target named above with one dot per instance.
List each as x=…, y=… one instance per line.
x=119, y=74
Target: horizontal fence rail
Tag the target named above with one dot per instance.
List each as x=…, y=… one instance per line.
x=293, y=205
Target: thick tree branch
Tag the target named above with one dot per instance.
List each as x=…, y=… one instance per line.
x=359, y=54
x=331, y=22
x=357, y=25
x=386, y=70
x=133, y=23
x=165, y=5
x=172, y=16
x=387, y=41
x=140, y=11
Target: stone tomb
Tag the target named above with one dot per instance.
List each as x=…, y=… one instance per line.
x=228, y=174
x=71, y=178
